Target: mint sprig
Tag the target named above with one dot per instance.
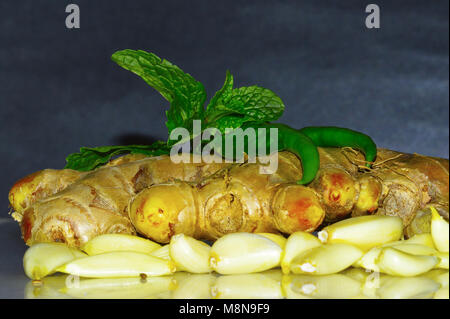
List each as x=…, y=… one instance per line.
x=229, y=108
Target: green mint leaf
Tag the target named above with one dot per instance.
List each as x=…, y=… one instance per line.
x=221, y=96
x=236, y=106
x=90, y=158
x=186, y=95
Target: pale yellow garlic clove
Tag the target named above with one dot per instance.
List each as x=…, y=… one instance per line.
x=416, y=249
x=246, y=286
x=421, y=239
x=369, y=260
x=407, y=288
x=443, y=260
x=240, y=253
x=189, y=254
x=119, y=242
x=279, y=239
x=439, y=231
x=118, y=264
x=42, y=259
x=162, y=252
x=397, y=263
x=413, y=249
x=336, y=286
x=326, y=259
x=193, y=286
x=364, y=232
x=297, y=243
x=120, y=288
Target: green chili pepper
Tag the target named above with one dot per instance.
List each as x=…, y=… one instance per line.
x=330, y=136
x=292, y=140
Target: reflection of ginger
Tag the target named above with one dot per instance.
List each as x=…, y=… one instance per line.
x=72, y=207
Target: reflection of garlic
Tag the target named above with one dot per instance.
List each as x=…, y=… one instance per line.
x=189, y=254
x=193, y=286
x=442, y=293
x=364, y=232
x=328, y=286
x=439, y=231
x=240, y=253
x=121, y=288
x=308, y=289
x=325, y=259
x=405, y=288
x=247, y=286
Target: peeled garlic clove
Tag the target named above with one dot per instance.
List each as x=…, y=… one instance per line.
x=369, y=260
x=439, y=231
x=414, y=249
x=407, y=288
x=422, y=239
x=42, y=259
x=325, y=259
x=297, y=243
x=280, y=240
x=118, y=264
x=162, y=252
x=443, y=260
x=240, y=253
x=336, y=286
x=119, y=242
x=397, y=263
x=364, y=232
x=189, y=254
x=246, y=286
x=120, y=288
x=193, y=286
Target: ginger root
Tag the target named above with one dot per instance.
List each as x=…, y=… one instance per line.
x=210, y=200
x=96, y=203
x=236, y=199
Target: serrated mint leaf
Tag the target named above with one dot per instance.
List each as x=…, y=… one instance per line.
x=185, y=94
x=237, y=106
x=221, y=96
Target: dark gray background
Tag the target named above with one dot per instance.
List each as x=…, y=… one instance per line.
x=59, y=89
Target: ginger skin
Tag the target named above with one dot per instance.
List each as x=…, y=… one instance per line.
x=209, y=200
